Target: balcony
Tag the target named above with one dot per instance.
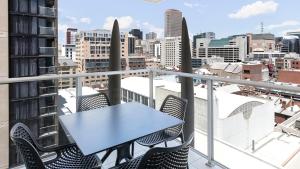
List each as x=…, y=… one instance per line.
x=46, y=11
x=47, y=31
x=47, y=51
x=228, y=131
x=47, y=70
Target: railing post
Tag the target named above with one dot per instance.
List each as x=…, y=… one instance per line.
x=78, y=90
x=210, y=124
x=151, y=76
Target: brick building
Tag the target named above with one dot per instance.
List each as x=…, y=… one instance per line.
x=289, y=76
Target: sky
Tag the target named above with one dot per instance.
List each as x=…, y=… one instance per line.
x=224, y=17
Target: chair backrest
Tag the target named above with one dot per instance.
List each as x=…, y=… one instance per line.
x=167, y=158
x=26, y=145
x=175, y=107
x=20, y=130
x=93, y=101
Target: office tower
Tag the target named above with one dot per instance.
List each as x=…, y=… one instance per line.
x=71, y=36
x=151, y=36
x=173, y=22
x=232, y=49
x=171, y=52
x=131, y=44
x=92, y=55
x=28, y=37
x=290, y=43
x=137, y=33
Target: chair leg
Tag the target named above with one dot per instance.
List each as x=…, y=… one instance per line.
x=108, y=152
x=132, y=149
x=182, y=138
x=166, y=145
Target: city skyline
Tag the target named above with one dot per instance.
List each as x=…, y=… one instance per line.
x=239, y=17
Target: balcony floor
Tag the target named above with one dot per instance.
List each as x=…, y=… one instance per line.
x=196, y=160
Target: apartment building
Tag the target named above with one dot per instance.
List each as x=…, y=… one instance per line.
x=28, y=38
x=66, y=66
x=92, y=55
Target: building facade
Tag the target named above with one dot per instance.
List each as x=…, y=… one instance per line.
x=261, y=42
x=289, y=76
x=71, y=36
x=92, y=55
x=137, y=33
x=151, y=36
x=232, y=49
x=66, y=66
x=171, y=52
x=28, y=37
x=173, y=23
x=68, y=51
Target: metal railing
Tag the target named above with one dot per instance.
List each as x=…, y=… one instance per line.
x=46, y=11
x=209, y=80
x=46, y=30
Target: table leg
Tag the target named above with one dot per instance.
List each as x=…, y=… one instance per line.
x=123, y=152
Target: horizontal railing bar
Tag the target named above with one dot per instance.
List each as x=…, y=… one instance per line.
x=195, y=76
x=65, y=76
x=233, y=81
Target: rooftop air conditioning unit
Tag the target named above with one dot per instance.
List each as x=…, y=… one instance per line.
x=297, y=124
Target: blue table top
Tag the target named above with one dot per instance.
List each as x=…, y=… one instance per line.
x=100, y=129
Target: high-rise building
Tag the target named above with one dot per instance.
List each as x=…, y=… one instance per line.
x=171, y=52
x=131, y=44
x=137, y=33
x=173, y=23
x=151, y=36
x=290, y=44
x=71, y=36
x=232, y=49
x=28, y=38
x=92, y=55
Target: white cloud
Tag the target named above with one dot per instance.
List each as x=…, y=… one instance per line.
x=153, y=1
x=254, y=9
x=125, y=22
x=85, y=20
x=63, y=27
x=76, y=20
x=190, y=5
x=152, y=28
x=283, y=24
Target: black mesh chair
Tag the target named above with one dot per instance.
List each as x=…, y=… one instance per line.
x=68, y=156
x=161, y=158
x=175, y=107
x=93, y=101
